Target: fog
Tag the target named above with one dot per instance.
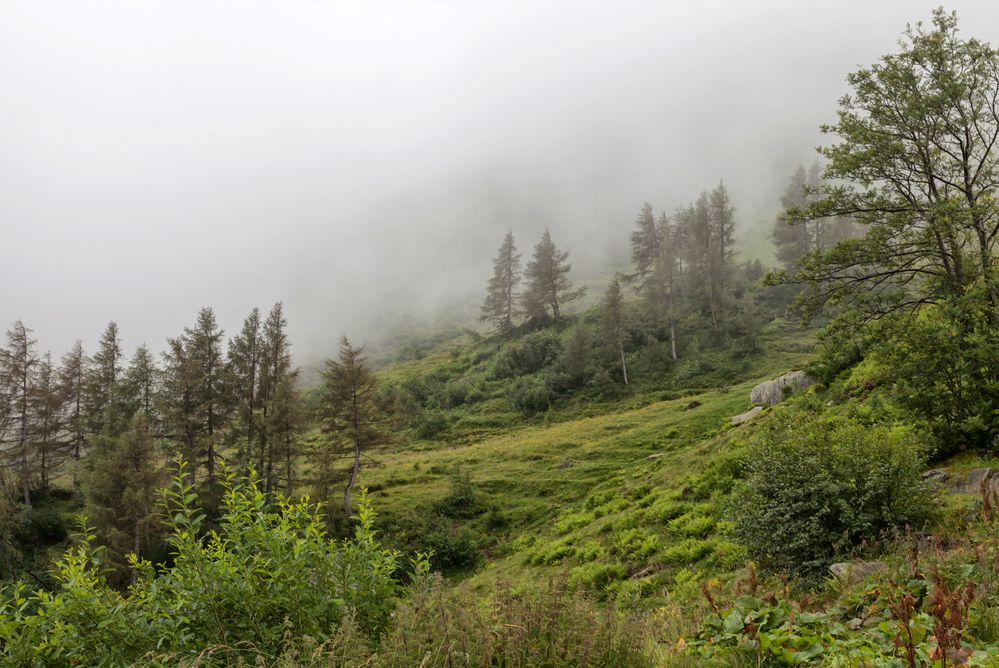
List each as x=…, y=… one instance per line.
x=362, y=161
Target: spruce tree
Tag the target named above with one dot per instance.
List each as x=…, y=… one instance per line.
x=276, y=365
x=285, y=419
x=103, y=411
x=19, y=374
x=792, y=242
x=350, y=416
x=655, y=253
x=179, y=404
x=613, y=323
x=73, y=374
x=500, y=306
x=47, y=418
x=548, y=284
x=646, y=242
x=720, y=259
x=122, y=485
x=140, y=385
x=203, y=343
x=245, y=359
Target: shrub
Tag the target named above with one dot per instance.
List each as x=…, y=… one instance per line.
x=530, y=354
x=264, y=576
x=943, y=364
x=816, y=489
x=431, y=423
x=461, y=500
x=530, y=395
x=450, y=546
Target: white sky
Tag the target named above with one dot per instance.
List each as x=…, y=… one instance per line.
x=361, y=161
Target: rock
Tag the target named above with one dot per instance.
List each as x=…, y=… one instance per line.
x=748, y=415
x=692, y=404
x=964, y=482
x=856, y=571
x=773, y=391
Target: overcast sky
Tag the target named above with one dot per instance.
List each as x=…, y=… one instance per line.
x=362, y=161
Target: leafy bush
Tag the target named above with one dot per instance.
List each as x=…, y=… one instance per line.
x=530, y=354
x=530, y=395
x=816, y=489
x=264, y=576
x=41, y=526
x=431, y=423
x=450, y=546
x=461, y=499
x=944, y=366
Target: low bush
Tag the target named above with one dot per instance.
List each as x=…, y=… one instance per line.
x=530, y=395
x=264, y=576
x=816, y=489
x=530, y=354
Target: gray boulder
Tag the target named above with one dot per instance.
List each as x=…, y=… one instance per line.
x=963, y=482
x=773, y=391
x=748, y=415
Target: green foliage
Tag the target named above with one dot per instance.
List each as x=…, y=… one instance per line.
x=543, y=626
x=461, y=499
x=529, y=354
x=945, y=367
x=815, y=489
x=530, y=395
x=431, y=423
x=450, y=546
x=264, y=576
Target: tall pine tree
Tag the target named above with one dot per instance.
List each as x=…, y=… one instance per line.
x=350, y=416
x=548, y=286
x=500, y=306
x=614, y=325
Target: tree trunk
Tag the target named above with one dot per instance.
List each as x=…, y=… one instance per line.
x=25, y=485
x=624, y=366
x=353, y=479
x=287, y=464
x=136, y=546
x=355, y=420
x=672, y=338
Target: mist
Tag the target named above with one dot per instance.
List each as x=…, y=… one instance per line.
x=361, y=161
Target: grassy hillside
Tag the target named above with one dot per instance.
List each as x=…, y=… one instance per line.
x=616, y=492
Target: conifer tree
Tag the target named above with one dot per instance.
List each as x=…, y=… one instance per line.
x=203, y=343
x=284, y=422
x=792, y=242
x=500, y=306
x=613, y=323
x=140, y=385
x=276, y=364
x=123, y=479
x=350, y=416
x=721, y=243
x=73, y=374
x=180, y=407
x=548, y=284
x=646, y=242
x=576, y=359
x=245, y=359
x=102, y=384
x=47, y=416
x=665, y=279
x=656, y=252
x=19, y=373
